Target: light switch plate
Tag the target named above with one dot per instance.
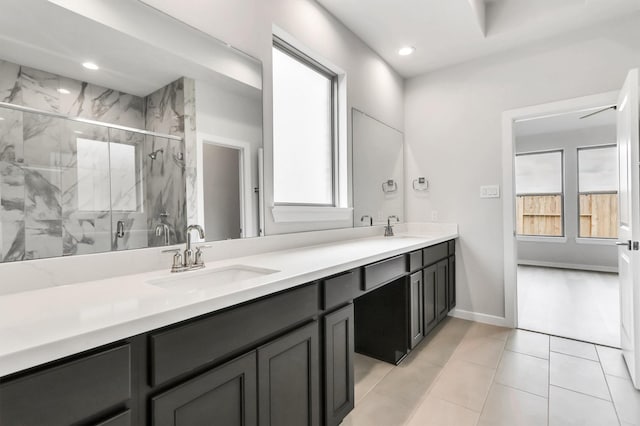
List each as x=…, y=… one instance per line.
x=490, y=191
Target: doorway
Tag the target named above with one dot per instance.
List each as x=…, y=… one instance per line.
x=511, y=242
x=566, y=192
x=222, y=191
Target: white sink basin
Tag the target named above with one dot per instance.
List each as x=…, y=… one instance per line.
x=207, y=278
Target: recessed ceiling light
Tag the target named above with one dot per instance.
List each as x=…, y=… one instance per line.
x=1, y=118
x=90, y=66
x=63, y=91
x=406, y=50
x=77, y=132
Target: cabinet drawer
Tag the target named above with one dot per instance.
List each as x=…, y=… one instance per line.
x=435, y=253
x=415, y=260
x=226, y=395
x=341, y=288
x=384, y=271
x=452, y=247
x=122, y=419
x=186, y=347
x=70, y=392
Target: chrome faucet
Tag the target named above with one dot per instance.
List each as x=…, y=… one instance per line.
x=189, y=260
x=370, y=219
x=388, y=230
x=188, y=253
x=163, y=228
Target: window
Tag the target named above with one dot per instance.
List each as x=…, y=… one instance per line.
x=539, y=193
x=598, y=191
x=304, y=129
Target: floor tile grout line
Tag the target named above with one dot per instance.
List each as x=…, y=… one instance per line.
x=567, y=338
x=435, y=381
x=521, y=390
x=429, y=391
x=524, y=353
x=549, y=386
x=581, y=393
x=575, y=356
x=613, y=402
x=493, y=381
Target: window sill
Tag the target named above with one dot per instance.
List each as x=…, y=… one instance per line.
x=540, y=239
x=290, y=214
x=597, y=241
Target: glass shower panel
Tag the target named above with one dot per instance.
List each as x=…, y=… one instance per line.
x=128, y=205
x=42, y=172
x=165, y=190
x=12, y=220
x=85, y=192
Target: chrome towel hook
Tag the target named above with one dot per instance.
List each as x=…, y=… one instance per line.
x=389, y=186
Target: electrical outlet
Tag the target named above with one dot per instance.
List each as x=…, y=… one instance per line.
x=434, y=215
x=490, y=191
x=380, y=216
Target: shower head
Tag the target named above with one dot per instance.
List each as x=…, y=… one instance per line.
x=154, y=154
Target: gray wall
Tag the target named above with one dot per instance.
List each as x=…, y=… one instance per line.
x=569, y=253
x=221, y=176
x=453, y=136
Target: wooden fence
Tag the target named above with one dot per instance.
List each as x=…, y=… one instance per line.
x=542, y=215
x=539, y=215
x=599, y=215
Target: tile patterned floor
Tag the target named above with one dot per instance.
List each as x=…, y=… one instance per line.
x=581, y=305
x=473, y=374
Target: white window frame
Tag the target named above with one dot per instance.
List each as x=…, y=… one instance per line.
x=591, y=240
x=338, y=210
x=547, y=238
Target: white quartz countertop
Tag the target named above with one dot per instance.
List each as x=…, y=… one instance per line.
x=44, y=325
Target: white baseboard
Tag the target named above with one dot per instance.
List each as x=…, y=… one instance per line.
x=479, y=317
x=596, y=268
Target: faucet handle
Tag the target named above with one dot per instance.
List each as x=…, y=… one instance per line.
x=198, y=256
x=177, y=259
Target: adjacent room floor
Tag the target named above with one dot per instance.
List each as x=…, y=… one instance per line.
x=581, y=305
x=468, y=373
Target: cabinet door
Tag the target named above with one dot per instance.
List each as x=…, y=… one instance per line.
x=416, y=312
x=430, y=278
x=442, y=278
x=452, y=282
x=288, y=379
x=225, y=396
x=338, y=370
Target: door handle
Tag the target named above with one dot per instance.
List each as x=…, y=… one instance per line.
x=624, y=243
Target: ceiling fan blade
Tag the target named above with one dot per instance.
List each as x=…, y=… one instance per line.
x=614, y=107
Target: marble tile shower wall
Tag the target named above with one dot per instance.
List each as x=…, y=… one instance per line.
x=64, y=186
x=165, y=113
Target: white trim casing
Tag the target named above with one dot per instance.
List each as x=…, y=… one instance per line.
x=508, y=200
x=577, y=266
x=290, y=214
x=480, y=317
x=540, y=239
x=597, y=241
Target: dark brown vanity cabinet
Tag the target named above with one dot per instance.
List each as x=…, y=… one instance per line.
x=338, y=365
x=289, y=379
x=93, y=389
x=416, y=311
x=226, y=395
x=281, y=360
x=437, y=289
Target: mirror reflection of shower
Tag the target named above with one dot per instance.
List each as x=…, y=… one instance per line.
x=155, y=153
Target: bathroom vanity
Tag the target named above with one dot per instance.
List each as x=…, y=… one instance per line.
x=272, y=349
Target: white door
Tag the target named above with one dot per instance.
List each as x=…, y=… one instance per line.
x=629, y=223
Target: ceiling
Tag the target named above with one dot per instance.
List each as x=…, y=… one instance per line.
x=446, y=32
x=136, y=56
x=566, y=122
